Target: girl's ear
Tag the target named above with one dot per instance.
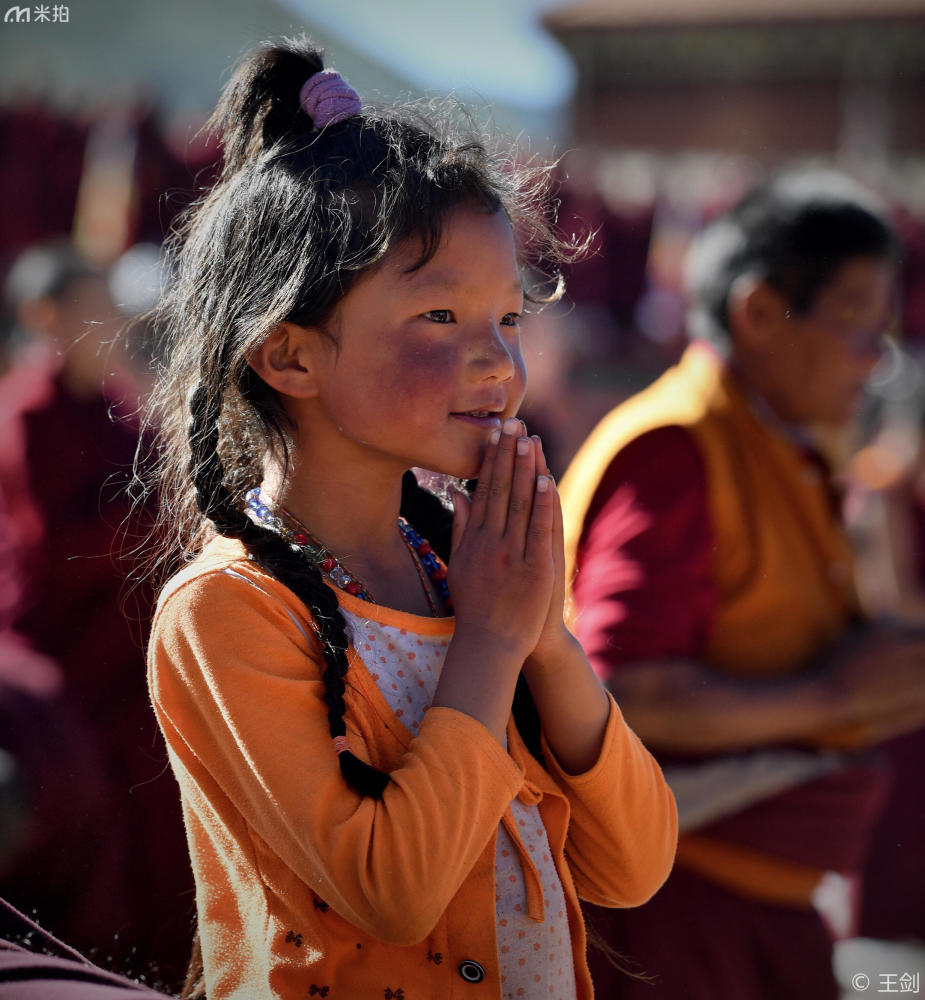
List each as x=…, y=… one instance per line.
x=285, y=361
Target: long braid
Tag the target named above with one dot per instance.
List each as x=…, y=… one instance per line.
x=286, y=563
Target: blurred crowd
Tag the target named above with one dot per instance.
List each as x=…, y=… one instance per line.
x=91, y=837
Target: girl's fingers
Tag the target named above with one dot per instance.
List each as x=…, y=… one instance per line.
x=479, y=501
x=542, y=468
x=522, y=489
x=499, y=487
x=558, y=540
x=539, y=532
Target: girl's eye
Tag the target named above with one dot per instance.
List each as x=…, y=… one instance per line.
x=511, y=319
x=439, y=315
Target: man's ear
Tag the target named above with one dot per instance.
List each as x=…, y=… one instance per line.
x=286, y=360
x=756, y=312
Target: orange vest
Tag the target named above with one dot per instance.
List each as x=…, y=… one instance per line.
x=782, y=564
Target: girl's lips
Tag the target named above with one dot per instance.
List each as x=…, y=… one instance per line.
x=487, y=421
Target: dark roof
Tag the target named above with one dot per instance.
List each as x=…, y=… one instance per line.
x=581, y=15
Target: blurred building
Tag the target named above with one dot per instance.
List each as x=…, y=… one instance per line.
x=101, y=102
x=680, y=107
x=100, y=113
x=768, y=79
x=172, y=53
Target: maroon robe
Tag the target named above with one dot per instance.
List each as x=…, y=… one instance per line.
x=647, y=592
x=105, y=866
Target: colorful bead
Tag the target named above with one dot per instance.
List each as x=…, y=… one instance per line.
x=284, y=523
x=429, y=560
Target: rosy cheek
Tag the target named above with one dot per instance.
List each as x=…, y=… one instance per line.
x=421, y=370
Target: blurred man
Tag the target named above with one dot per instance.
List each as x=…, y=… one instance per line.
x=714, y=593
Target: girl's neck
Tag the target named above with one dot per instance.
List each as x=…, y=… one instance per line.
x=357, y=522
x=348, y=496
x=354, y=519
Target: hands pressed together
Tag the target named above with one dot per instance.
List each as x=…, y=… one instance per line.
x=507, y=565
x=507, y=577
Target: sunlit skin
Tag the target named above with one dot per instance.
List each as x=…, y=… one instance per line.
x=811, y=367
x=421, y=366
x=412, y=355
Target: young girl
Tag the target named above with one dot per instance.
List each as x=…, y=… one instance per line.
x=364, y=819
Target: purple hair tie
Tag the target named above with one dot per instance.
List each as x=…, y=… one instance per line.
x=327, y=98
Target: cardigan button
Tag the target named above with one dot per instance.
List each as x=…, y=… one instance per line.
x=471, y=971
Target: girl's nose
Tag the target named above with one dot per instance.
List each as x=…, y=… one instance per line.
x=495, y=357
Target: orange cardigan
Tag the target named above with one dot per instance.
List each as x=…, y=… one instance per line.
x=305, y=888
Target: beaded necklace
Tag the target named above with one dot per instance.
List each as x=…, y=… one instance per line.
x=426, y=559
x=287, y=525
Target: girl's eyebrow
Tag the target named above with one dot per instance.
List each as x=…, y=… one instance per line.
x=442, y=282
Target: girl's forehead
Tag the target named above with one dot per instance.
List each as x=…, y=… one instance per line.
x=448, y=279
x=475, y=246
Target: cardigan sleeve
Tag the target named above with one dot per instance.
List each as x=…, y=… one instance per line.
x=236, y=684
x=623, y=830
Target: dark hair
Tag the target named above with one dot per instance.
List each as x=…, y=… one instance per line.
x=794, y=231
x=296, y=216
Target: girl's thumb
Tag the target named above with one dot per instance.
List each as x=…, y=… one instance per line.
x=460, y=517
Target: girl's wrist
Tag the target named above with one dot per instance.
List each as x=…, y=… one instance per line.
x=499, y=647
x=553, y=650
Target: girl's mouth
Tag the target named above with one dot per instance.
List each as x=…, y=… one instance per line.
x=486, y=419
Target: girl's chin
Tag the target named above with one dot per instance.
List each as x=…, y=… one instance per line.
x=461, y=469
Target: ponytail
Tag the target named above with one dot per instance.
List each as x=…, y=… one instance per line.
x=260, y=108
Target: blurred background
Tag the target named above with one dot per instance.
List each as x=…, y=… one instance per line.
x=659, y=113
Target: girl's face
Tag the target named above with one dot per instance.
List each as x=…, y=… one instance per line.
x=416, y=367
